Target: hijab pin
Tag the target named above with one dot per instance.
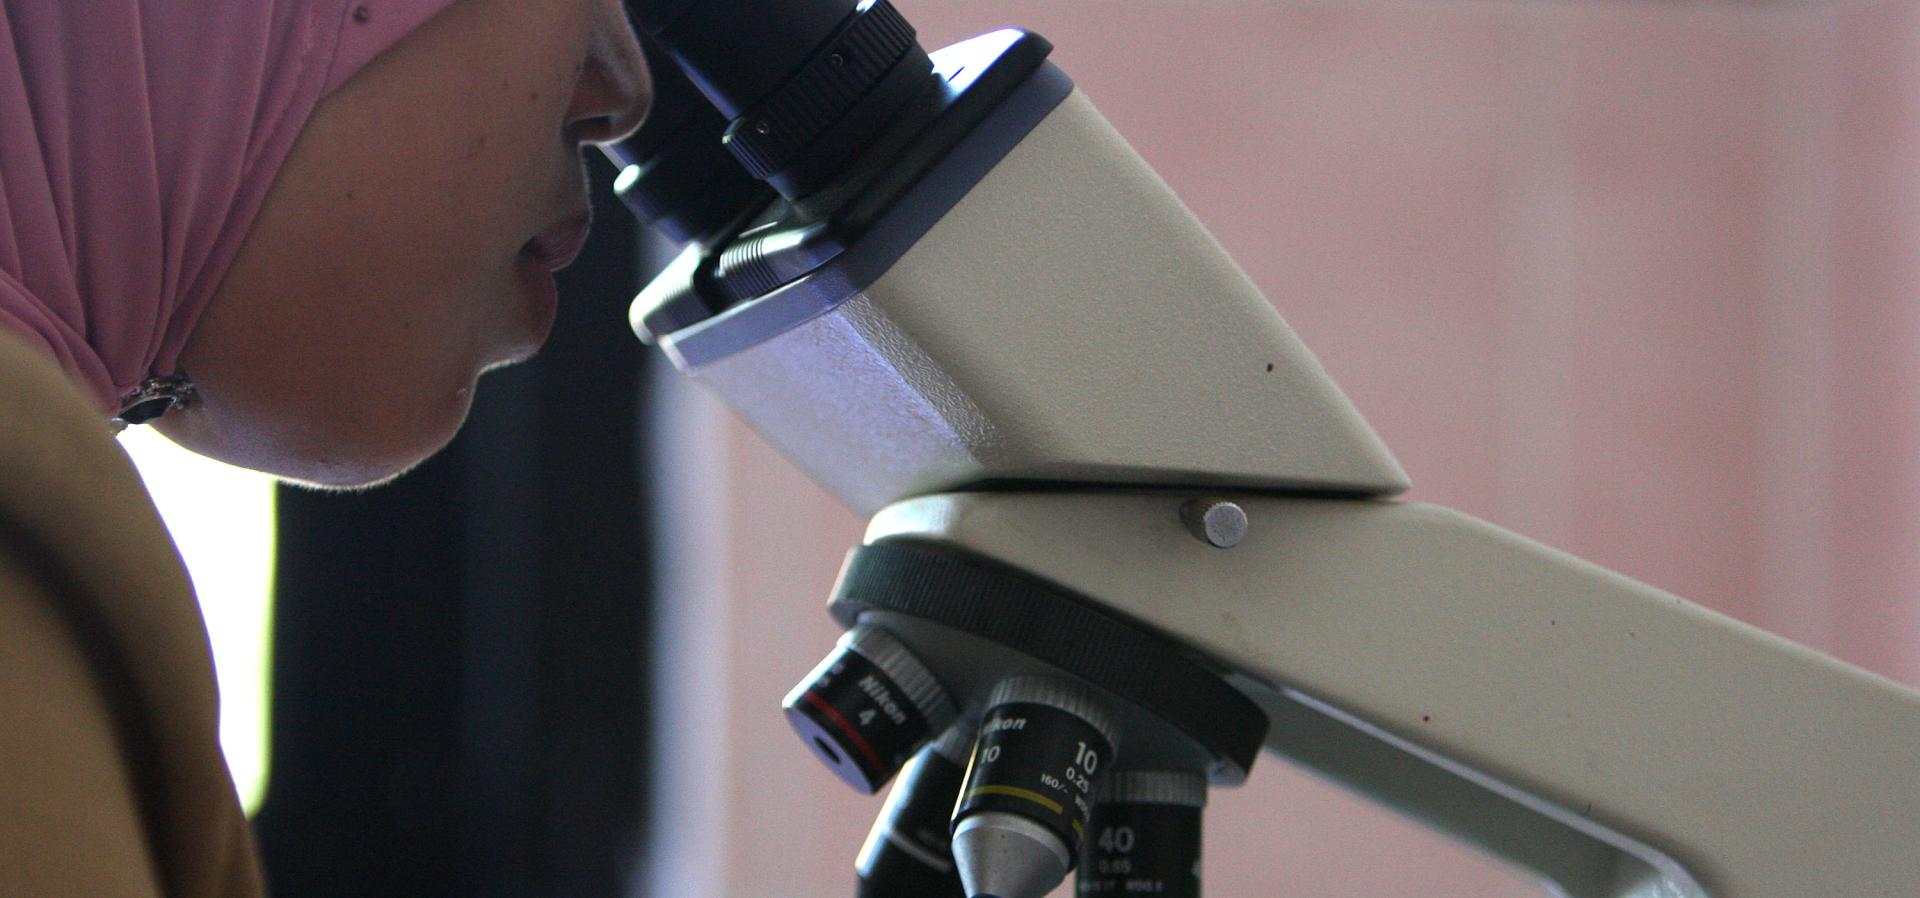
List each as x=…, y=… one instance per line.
x=154, y=397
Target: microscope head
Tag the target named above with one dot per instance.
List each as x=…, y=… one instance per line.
x=961, y=277
x=998, y=291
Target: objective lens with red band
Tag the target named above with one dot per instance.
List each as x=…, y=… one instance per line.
x=868, y=708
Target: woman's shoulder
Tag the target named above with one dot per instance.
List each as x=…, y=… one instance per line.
x=73, y=819
x=101, y=615
x=65, y=481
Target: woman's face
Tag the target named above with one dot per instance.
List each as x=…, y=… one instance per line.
x=407, y=244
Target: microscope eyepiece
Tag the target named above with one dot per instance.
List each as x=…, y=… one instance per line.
x=676, y=175
x=652, y=15
x=805, y=85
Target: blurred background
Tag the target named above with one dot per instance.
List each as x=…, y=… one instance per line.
x=1636, y=280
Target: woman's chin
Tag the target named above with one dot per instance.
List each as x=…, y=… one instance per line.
x=338, y=477
x=323, y=448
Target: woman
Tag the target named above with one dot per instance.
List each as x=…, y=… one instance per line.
x=292, y=233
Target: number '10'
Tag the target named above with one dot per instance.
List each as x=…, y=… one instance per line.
x=1087, y=758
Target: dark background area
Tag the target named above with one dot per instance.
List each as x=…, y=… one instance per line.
x=459, y=659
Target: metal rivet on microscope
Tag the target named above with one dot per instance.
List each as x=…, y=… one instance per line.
x=1216, y=522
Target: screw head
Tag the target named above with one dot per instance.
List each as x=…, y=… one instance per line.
x=1216, y=522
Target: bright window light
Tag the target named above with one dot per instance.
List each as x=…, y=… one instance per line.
x=222, y=519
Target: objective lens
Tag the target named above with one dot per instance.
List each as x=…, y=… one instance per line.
x=1028, y=798
x=909, y=853
x=1144, y=836
x=868, y=707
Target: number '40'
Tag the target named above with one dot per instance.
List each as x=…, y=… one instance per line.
x=1116, y=839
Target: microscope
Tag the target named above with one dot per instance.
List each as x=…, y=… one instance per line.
x=1126, y=534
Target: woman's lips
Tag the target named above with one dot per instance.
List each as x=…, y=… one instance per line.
x=557, y=247
x=550, y=251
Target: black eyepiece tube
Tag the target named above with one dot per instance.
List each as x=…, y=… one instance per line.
x=676, y=174
x=805, y=84
x=738, y=51
x=650, y=16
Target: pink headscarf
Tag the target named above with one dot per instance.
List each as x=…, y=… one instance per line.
x=138, y=139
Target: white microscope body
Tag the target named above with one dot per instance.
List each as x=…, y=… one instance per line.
x=1048, y=371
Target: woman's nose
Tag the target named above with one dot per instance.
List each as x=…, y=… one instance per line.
x=615, y=90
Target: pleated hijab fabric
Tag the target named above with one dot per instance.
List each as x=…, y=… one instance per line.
x=138, y=139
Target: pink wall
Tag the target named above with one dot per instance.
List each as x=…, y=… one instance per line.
x=1633, y=279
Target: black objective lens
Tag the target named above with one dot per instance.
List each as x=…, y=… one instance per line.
x=909, y=853
x=868, y=708
x=805, y=85
x=1043, y=746
x=1144, y=836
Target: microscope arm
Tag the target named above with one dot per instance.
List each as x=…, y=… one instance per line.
x=1611, y=738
